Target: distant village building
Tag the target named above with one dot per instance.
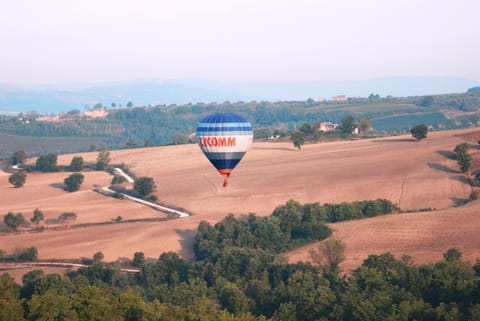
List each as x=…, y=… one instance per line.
x=96, y=113
x=48, y=119
x=327, y=127
x=339, y=98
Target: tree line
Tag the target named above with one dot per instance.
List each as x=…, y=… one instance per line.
x=171, y=288
x=239, y=273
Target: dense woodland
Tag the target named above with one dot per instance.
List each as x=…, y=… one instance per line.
x=172, y=124
x=239, y=273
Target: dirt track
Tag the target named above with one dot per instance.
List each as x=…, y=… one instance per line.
x=413, y=174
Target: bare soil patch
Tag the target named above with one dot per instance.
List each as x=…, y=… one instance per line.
x=471, y=136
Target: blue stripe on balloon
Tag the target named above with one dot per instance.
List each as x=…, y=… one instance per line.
x=224, y=163
x=224, y=129
x=224, y=155
x=223, y=118
x=202, y=124
x=224, y=134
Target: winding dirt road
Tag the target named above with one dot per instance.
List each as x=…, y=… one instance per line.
x=139, y=200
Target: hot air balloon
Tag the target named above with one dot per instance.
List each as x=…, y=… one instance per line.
x=224, y=139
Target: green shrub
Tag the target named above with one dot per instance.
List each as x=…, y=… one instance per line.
x=17, y=179
x=30, y=254
x=117, y=179
x=73, y=182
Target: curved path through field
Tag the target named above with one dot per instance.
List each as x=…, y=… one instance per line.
x=139, y=200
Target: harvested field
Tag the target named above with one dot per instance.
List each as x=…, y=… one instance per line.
x=45, y=192
x=413, y=174
x=471, y=136
x=424, y=236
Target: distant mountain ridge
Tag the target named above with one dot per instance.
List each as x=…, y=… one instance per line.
x=65, y=97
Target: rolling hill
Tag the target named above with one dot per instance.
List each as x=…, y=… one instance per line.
x=415, y=175
x=65, y=97
x=174, y=124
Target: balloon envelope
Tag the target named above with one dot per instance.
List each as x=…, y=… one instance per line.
x=224, y=139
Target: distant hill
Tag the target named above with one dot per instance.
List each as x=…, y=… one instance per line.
x=65, y=97
x=174, y=124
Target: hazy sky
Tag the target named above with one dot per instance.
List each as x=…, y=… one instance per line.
x=52, y=41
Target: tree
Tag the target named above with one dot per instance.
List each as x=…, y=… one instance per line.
x=138, y=259
x=19, y=157
x=306, y=128
x=298, y=139
x=419, y=131
x=10, y=305
x=37, y=216
x=473, y=90
x=464, y=161
x=117, y=179
x=76, y=164
x=329, y=255
x=461, y=148
x=452, y=254
x=66, y=217
x=73, y=182
x=129, y=104
x=145, y=185
x=50, y=305
x=29, y=254
x=231, y=297
x=130, y=143
x=17, y=179
x=74, y=112
x=103, y=159
x=47, y=163
x=364, y=125
x=463, y=158
x=348, y=124
x=180, y=138
x=148, y=143
x=98, y=257
x=14, y=220
x=427, y=101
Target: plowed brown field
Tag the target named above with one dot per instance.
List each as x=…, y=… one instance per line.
x=423, y=236
x=413, y=174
